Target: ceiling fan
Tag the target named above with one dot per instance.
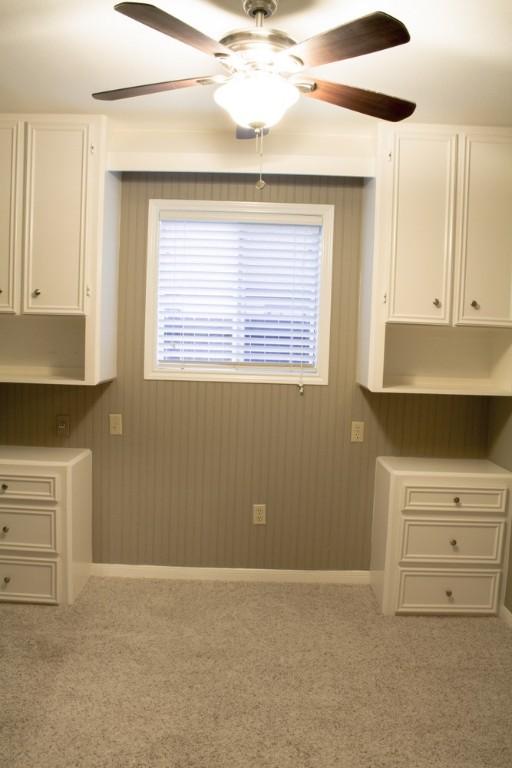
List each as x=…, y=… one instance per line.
x=263, y=66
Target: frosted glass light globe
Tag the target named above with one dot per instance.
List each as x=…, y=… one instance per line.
x=256, y=100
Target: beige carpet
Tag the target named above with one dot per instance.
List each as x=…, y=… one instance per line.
x=159, y=674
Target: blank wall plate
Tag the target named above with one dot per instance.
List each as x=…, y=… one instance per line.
x=357, y=432
x=115, y=422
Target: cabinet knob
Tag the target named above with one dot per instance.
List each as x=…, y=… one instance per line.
x=4, y=486
x=1, y=290
x=475, y=304
x=36, y=292
x=456, y=499
x=449, y=593
x=436, y=303
x=453, y=542
x=7, y=579
x=5, y=529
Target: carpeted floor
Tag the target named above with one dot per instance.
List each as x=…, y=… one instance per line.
x=163, y=674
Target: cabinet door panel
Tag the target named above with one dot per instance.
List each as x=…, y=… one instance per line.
x=55, y=218
x=10, y=212
x=422, y=229
x=485, y=247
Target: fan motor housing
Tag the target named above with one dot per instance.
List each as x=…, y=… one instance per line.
x=260, y=47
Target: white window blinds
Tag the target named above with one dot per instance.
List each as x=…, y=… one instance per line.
x=243, y=293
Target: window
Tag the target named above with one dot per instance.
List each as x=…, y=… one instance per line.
x=238, y=291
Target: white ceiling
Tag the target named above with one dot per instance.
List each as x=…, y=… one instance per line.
x=54, y=53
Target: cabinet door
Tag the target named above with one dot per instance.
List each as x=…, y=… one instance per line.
x=424, y=167
x=55, y=216
x=10, y=213
x=485, y=233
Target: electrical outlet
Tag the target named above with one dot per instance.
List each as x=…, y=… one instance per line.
x=259, y=514
x=357, y=432
x=62, y=425
x=115, y=421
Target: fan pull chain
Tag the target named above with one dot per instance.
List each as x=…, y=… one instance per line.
x=260, y=184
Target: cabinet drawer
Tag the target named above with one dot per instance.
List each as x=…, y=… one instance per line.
x=28, y=487
x=24, y=528
x=466, y=499
x=452, y=541
x=28, y=580
x=448, y=591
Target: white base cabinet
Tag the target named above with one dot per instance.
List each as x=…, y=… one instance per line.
x=45, y=523
x=440, y=535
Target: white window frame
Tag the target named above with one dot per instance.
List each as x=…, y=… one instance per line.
x=279, y=213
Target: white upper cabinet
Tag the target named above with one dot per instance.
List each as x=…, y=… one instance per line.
x=485, y=233
x=59, y=242
x=58, y=158
x=435, y=309
x=10, y=195
x=423, y=167
x=444, y=181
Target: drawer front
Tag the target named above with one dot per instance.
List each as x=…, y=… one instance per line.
x=24, y=528
x=464, y=499
x=40, y=487
x=28, y=580
x=448, y=591
x=452, y=541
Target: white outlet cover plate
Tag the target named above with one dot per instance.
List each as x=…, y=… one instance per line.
x=357, y=432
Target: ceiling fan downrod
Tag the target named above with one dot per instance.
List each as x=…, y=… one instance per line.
x=260, y=9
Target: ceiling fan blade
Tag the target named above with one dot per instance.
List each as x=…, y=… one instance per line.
x=167, y=85
x=153, y=17
x=359, y=100
x=374, y=32
x=248, y=133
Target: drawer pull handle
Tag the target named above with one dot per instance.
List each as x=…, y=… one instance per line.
x=456, y=499
x=7, y=579
x=453, y=542
x=449, y=593
x=5, y=529
x=4, y=486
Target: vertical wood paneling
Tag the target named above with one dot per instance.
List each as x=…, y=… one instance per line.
x=178, y=486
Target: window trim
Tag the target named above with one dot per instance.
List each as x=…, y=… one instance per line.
x=241, y=211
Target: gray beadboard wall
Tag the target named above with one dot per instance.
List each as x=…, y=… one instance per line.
x=500, y=451
x=178, y=486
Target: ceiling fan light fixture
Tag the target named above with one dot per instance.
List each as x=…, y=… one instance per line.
x=256, y=100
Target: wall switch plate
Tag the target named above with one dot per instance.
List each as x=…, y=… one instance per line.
x=259, y=514
x=357, y=432
x=115, y=421
x=62, y=425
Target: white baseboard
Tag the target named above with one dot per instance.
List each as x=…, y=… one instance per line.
x=506, y=615
x=229, y=574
